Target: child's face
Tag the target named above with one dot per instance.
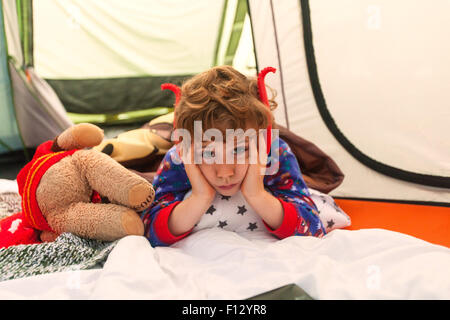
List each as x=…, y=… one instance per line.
x=225, y=178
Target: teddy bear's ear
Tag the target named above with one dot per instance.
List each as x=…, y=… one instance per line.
x=55, y=146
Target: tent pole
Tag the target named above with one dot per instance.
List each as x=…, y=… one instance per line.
x=26, y=29
x=253, y=36
x=219, y=33
x=238, y=25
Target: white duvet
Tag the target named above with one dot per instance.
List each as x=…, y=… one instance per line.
x=218, y=264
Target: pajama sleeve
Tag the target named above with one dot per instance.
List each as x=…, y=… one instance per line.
x=171, y=184
x=287, y=185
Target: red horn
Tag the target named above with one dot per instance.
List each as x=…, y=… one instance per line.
x=176, y=90
x=263, y=97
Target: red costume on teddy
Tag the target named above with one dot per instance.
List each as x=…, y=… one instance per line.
x=25, y=227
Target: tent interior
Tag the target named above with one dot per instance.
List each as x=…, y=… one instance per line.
x=369, y=86
x=365, y=82
x=110, y=57
x=104, y=62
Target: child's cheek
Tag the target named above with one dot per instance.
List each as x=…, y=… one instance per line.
x=241, y=171
x=208, y=171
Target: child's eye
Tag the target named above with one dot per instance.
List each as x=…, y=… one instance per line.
x=208, y=154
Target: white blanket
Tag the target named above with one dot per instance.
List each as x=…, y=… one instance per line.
x=8, y=186
x=218, y=264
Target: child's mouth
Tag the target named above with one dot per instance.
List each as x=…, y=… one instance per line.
x=227, y=187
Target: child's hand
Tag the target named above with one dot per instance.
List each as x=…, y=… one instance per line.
x=186, y=214
x=252, y=187
x=264, y=203
x=200, y=186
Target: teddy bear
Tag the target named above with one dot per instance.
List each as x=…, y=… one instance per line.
x=62, y=189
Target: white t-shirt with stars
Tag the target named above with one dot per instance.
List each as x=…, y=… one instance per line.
x=231, y=213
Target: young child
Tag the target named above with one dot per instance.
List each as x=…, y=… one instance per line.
x=231, y=195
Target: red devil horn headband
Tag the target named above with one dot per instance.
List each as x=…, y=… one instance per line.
x=176, y=90
x=263, y=97
x=262, y=86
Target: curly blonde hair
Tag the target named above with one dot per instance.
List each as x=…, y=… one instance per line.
x=222, y=98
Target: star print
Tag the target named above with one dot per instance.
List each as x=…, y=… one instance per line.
x=336, y=206
x=241, y=210
x=226, y=198
x=211, y=210
x=252, y=226
x=330, y=223
x=222, y=224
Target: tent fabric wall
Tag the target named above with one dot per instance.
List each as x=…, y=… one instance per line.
x=266, y=42
x=34, y=113
x=129, y=49
x=302, y=114
x=381, y=87
x=123, y=39
x=49, y=100
x=38, y=113
x=10, y=139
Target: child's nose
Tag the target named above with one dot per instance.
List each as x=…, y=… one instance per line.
x=225, y=171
